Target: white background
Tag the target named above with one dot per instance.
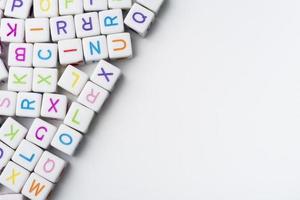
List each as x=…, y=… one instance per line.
x=209, y=108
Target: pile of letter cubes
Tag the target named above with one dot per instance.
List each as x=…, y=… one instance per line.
x=43, y=36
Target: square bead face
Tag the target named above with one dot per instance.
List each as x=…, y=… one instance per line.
x=14, y=177
x=41, y=133
x=105, y=75
x=20, y=54
x=62, y=28
x=73, y=7
x=123, y=4
x=70, y=51
x=37, y=30
x=93, y=96
x=95, y=48
x=27, y=155
x=44, y=80
x=50, y=167
x=12, y=30
x=5, y=154
x=92, y=5
x=8, y=102
x=28, y=104
x=54, y=106
x=87, y=24
x=79, y=117
x=66, y=139
x=119, y=46
x=45, y=55
x=111, y=21
x=36, y=187
x=139, y=19
x=15, y=9
x=20, y=79
x=12, y=133
x=2, y=4
x=153, y=5
x=45, y=8
x=73, y=80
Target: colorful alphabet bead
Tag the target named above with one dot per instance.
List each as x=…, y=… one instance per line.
x=37, y=30
x=12, y=30
x=66, y=139
x=45, y=8
x=20, y=79
x=44, y=80
x=45, y=55
x=8, y=101
x=5, y=154
x=41, y=133
x=20, y=54
x=70, y=51
x=28, y=104
x=54, y=106
x=119, y=46
x=18, y=8
x=14, y=177
x=27, y=155
x=111, y=21
x=95, y=48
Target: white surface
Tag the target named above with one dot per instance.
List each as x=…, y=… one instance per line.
x=208, y=109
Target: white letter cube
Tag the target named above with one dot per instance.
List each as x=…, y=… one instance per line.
x=54, y=106
x=20, y=54
x=8, y=102
x=44, y=80
x=14, y=177
x=87, y=24
x=28, y=104
x=66, y=139
x=41, y=133
x=93, y=96
x=37, y=30
x=62, y=28
x=45, y=8
x=18, y=8
x=45, y=55
x=70, y=51
x=5, y=154
x=95, y=48
x=12, y=133
x=119, y=46
x=111, y=21
x=73, y=80
x=50, y=167
x=20, y=79
x=70, y=7
x=27, y=155
x=12, y=30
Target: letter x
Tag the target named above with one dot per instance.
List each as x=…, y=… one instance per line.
x=44, y=79
x=105, y=74
x=20, y=80
x=53, y=105
x=13, y=176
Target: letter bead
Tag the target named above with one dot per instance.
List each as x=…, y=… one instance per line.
x=70, y=7
x=20, y=79
x=54, y=106
x=153, y=5
x=70, y=51
x=18, y=8
x=111, y=21
x=3, y=71
x=139, y=19
x=50, y=167
x=45, y=8
x=14, y=177
x=93, y=96
x=27, y=155
x=66, y=139
x=79, y=117
x=95, y=48
x=44, y=80
x=8, y=101
x=37, y=188
x=45, y=55
x=73, y=80
x=12, y=30
x=87, y=24
x=12, y=133
x=37, y=30
x=119, y=46
x=95, y=5
x=41, y=133
x=28, y=104
x=20, y=54
x=122, y=4
x=62, y=28
x=5, y=154
x=106, y=75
